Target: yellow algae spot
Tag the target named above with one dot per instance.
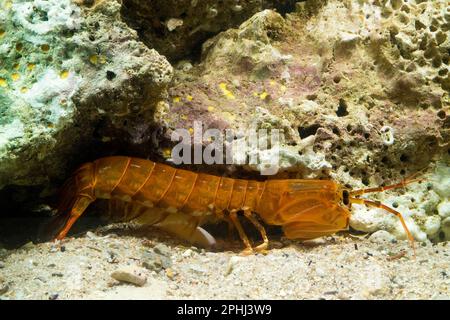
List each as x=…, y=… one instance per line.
x=102, y=59
x=183, y=117
x=96, y=59
x=19, y=46
x=176, y=99
x=191, y=130
x=24, y=90
x=2, y=33
x=263, y=95
x=189, y=98
x=211, y=108
x=283, y=88
x=15, y=76
x=45, y=47
x=3, y=83
x=93, y=59
x=64, y=74
x=255, y=94
x=31, y=66
x=16, y=66
x=167, y=153
x=8, y=5
x=228, y=116
x=227, y=93
x=272, y=83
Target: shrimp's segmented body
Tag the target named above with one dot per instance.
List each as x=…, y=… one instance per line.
x=180, y=201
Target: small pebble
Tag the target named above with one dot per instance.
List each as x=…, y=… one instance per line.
x=198, y=269
x=188, y=253
x=3, y=287
x=111, y=257
x=130, y=274
x=170, y=273
x=53, y=296
x=155, y=262
x=320, y=272
x=57, y=274
x=381, y=237
x=27, y=246
x=162, y=249
x=232, y=264
x=90, y=235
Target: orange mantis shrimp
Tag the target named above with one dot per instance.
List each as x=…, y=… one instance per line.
x=180, y=201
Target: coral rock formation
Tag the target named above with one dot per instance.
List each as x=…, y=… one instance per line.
x=62, y=68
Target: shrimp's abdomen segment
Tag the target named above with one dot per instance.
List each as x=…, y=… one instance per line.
x=223, y=195
x=107, y=175
x=201, y=200
x=238, y=195
x=155, y=186
x=181, y=188
x=133, y=179
x=253, y=193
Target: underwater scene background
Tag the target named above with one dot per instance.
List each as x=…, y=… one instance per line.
x=359, y=89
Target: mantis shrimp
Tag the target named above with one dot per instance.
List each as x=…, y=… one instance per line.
x=180, y=201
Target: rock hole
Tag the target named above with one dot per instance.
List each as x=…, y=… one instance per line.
x=365, y=181
x=443, y=72
x=342, y=108
x=441, y=114
x=110, y=75
x=349, y=128
x=404, y=158
x=308, y=131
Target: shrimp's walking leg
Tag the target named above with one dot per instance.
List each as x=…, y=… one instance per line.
x=80, y=204
x=263, y=246
x=378, y=204
x=248, y=248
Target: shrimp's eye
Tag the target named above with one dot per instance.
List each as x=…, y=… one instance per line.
x=345, y=197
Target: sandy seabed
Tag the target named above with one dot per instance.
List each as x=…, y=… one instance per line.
x=337, y=267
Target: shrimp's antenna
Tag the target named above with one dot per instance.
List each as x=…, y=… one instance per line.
x=403, y=183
